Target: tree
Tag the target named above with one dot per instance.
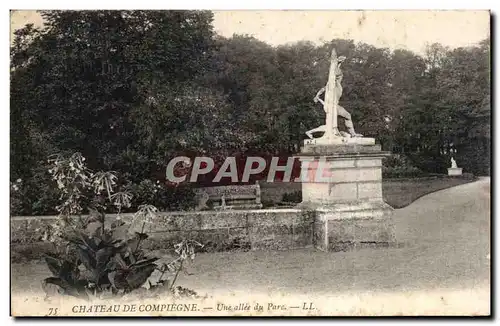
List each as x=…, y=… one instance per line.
x=131, y=89
x=82, y=79
x=449, y=108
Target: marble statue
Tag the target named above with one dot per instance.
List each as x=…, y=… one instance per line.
x=454, y=170
x=333, y=92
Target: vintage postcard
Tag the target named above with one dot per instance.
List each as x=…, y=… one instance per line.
x=250, y=163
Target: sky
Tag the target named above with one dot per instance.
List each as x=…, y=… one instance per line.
x=411, y=30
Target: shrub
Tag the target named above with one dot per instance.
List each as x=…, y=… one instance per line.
x=91, y=259
x=399, y=166
x=161, y=195
x=402, y=172
x=35, y=195
x=16, y=197
x=430, y=162
x=293, y=197
x=468, y=176
x=38, y=195
x=268, y=203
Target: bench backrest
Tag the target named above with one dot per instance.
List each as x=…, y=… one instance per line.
x=233, y=195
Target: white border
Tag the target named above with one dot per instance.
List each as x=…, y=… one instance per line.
x=180, y=4
x=257, y=4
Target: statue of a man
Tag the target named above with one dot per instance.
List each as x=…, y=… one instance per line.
x=340, y=110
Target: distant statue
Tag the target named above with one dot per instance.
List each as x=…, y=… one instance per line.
x=333, y=92
x=453, y=163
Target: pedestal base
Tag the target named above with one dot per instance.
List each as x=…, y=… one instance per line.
x=355, y=226
x=347, y=203
x=454, y=171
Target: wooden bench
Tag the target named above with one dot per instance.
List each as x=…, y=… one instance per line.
x=231, y=197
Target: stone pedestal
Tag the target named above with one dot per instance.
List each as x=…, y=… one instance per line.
x=454, y=171
x=347, y=198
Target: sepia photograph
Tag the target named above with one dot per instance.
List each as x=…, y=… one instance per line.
x=250, y=163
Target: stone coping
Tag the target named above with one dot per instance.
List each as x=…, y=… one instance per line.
x=345, y=206
x=336, y=156
x=343, y=150
x=340, y=141
x=178, y=213
x=343, y=146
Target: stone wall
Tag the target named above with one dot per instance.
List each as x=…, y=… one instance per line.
x=276, y=229
x=332, y=228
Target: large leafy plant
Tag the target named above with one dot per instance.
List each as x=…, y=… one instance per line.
x=94, y=258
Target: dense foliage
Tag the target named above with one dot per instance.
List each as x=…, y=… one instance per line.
x=94, y=256
x=132, y=89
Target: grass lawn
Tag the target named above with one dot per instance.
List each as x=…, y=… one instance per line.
x=398, y=193
x=401, y=192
